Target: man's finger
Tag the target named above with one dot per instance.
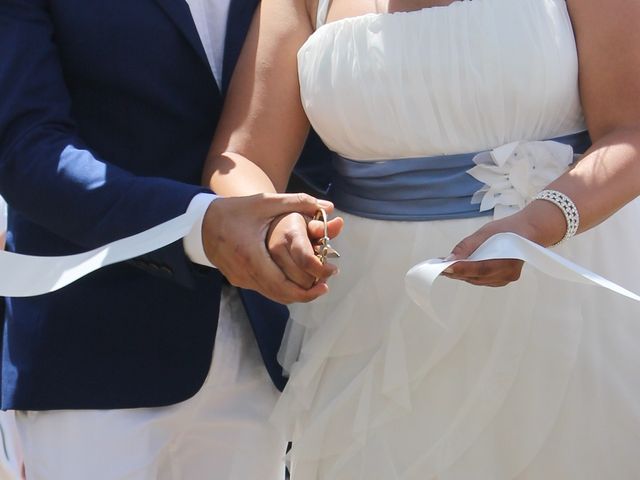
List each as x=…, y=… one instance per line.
x=279, y=203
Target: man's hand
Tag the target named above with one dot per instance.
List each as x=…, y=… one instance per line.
x=290, y=242
x=234, y=234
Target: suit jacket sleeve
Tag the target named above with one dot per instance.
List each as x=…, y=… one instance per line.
x=47, y=173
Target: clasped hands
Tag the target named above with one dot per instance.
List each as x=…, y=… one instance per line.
x=265, y=243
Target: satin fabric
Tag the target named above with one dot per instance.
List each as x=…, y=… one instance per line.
x=425, y=188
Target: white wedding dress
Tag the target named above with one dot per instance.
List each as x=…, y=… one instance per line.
x=539, y=380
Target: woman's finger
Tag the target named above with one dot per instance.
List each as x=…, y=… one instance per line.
x=496, y=273
x=283, y=259
x=302, y=253
x=334, y=227
x=498, y=280
x=484, y=283
x=485, y=268
x=284, y=290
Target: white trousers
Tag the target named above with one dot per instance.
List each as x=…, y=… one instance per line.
x=222, y=433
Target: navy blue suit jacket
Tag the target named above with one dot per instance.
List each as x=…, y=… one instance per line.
x=107, y=109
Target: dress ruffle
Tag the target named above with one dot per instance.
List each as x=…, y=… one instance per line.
x=384, y=391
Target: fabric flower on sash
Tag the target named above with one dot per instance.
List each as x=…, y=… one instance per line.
x=514, y=173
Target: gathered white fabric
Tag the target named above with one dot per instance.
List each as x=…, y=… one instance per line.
x=456, y=79
x=536, y=380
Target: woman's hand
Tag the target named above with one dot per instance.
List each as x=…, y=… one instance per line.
x=541, y=222
x=290, y=242
x=488, y=273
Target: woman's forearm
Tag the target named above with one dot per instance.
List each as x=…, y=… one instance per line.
x=232, y=175
x=602, y=182
x=263, y=126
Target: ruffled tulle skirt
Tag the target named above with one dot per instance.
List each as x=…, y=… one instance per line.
x=539, y=380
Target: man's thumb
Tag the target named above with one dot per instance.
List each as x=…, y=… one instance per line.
x=279, y=204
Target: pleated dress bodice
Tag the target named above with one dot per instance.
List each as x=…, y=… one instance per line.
x=461, y=78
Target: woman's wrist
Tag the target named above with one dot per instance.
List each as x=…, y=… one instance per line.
x=544, y=223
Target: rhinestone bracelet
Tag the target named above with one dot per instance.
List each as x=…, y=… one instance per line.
x=568, y=208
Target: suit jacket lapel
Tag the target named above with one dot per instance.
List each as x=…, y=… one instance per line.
x=240, y=15
x=178, y=11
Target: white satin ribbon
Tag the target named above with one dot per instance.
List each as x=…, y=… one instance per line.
x=420, y=278
x=27, y=276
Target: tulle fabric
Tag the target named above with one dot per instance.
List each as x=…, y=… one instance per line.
x=537, y=380
x=534, y=381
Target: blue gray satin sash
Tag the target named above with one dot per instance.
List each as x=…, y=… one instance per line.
x=415, y=189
